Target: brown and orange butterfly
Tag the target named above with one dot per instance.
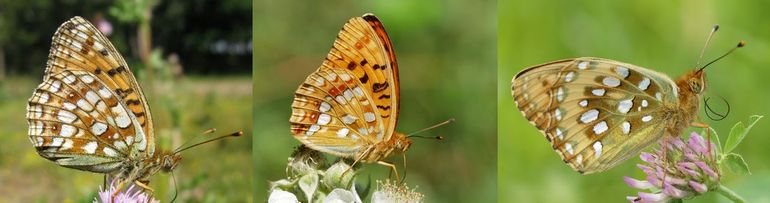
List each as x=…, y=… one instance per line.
x=349, y=106
x=598, y=112
x=90, y=114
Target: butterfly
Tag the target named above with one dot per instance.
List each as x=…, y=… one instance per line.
x=90, y=114
x=349, y=106
x=598, y=112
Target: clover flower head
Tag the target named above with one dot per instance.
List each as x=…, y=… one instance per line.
x=132, y=194
x=678, y=169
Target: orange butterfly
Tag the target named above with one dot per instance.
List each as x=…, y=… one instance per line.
x=349, y=106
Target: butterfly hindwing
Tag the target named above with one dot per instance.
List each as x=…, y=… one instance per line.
x=351, y=101
x=75, y=121
x=595, y=112
x=78, y=46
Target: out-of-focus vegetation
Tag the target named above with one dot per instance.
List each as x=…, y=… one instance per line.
x=665, y=36
x=199, y=53
x=445, y=51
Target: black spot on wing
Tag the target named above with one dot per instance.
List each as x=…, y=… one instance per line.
x=364, y=79
x=379, y=87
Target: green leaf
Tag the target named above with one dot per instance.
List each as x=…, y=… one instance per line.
x=738, y=132
x=736, y=164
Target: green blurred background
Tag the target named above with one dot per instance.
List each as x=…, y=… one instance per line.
x=195, y=73
x=662, y=35
x=446, y=56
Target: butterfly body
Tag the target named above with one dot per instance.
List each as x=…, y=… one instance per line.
x=597, y=112
x=89, y=113
x=349, y=106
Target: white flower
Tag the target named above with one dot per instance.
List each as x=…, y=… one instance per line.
x=343, y=196
x=280, y=196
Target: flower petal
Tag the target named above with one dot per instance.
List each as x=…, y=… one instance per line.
x=653, y=197
x=280, y=196
x=706, y=169
x=674, y=192
x=698, y=187
x=638, y=184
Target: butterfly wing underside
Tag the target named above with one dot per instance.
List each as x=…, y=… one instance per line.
x=595, y=112
x=88, y=113
x=352, y=100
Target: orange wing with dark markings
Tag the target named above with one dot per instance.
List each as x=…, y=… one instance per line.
x=351, y=102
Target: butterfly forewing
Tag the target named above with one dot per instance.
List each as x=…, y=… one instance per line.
x=78, y=45
x=595, y=112
x=88, y=113
x=351, y=101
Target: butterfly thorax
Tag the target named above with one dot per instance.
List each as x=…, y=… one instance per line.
x=691, y=86
x=143, y=169
x=397, y=144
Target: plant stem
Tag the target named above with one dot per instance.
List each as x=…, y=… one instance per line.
x=729, y=194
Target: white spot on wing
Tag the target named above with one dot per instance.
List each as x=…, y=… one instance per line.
x=90, y=147
x=92, y=97
x=626, y=126
x=658, y=96
x=598, y=92
x=583, y=65
x=104, y=92
x=647, y=118
x=343, y=132
x=341, y=100
x=348, y=94
x=369, y=116
x=600, y=127
x=359, y=92
x=55, y=86
x=589, y=116
x=98, y=128
x=568, y=148
x=121, y=119
x=324, y=107
x=69, y=106
x=644, y=84
x=87, y=79
x=583, y=103
x=622, y=71
x=348, y=119
x=569, y=77
x=557, y=114
x=85, y=105
x=331, y=76
x=597, y=149
x=559, y=133
x=57, y=142
x=69, y=79
x=625, y=105
x=324, y=119
x=611, y=81
x=66, y=116
x=44, y=98
x=559, y=94
x=110, y=152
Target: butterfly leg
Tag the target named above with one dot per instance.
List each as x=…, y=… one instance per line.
x=392, y=168
x=708, y=134
x=144, y=186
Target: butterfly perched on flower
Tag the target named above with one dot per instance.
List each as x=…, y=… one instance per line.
x=90, y=114
x=598, y=112
x=349, y=106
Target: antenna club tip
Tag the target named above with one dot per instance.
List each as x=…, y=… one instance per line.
x=440, y=137
x=237, y=134
x=716, y=27
x=741, y=43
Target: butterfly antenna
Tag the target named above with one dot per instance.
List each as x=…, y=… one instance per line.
x=429, y=128
x=235, y=134
x=740, y=44
x=205, y=132
x=708, y=40
x=710, y=111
